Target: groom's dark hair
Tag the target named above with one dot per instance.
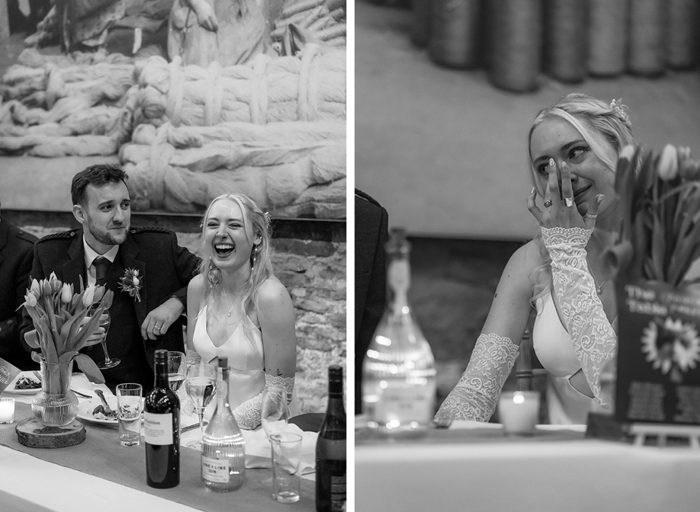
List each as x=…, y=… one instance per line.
x=96, y=175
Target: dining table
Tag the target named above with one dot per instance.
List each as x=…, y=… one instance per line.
x=101, y=475
x=475, y=467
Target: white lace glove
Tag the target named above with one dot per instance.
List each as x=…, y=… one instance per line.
x=476, y=394
x=248, y=414
x=594, y=339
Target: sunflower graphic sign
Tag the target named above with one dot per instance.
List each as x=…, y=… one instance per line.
x=658, y=363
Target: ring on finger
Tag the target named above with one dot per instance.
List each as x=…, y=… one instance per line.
x=591, y=215
x=569, y=201
x=547, y=203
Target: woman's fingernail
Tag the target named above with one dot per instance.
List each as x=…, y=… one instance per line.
x=532, y=191
x=551, y=162
x=600, y=198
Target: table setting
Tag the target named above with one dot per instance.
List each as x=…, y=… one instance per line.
x=72, y=424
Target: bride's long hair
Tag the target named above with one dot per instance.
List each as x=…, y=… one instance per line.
x=589, y=116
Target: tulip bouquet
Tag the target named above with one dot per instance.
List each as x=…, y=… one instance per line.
x=64, y=320
x=659, y=238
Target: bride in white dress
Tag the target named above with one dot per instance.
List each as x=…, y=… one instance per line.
x=236, y=307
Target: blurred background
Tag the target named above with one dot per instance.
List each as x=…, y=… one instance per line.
x=446, y=91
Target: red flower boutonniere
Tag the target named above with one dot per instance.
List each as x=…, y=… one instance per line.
x=131, y=283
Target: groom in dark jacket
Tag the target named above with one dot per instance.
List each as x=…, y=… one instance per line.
x=104, y=251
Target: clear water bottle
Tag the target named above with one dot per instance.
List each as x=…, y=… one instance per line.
x=398, y=373
x=223, y=447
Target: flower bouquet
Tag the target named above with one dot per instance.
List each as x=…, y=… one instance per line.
x=655, y=259
x=64, y=320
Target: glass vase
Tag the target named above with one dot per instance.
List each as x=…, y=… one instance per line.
x=55, y=405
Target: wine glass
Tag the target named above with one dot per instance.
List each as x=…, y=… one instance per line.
x=200, y=385
x=176, y=369
x=104, y=323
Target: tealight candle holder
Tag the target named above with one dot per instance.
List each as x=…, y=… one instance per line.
x=7, y=410
x=518, y=411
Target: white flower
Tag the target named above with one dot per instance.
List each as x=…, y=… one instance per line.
x=66, y=293
x=35, y=289
x=30, y=300
x=627, y=152
x=668, y=163
x=89, y=296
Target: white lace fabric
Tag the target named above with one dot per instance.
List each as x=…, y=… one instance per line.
x=248, y=414
x=476, y=394
x=594, y=340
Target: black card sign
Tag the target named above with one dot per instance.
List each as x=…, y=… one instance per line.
x=658, y=363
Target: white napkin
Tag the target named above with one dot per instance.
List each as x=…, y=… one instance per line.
x=258, y=450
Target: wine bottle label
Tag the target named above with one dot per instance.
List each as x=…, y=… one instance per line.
x=405, y=402
x=338, y=493
x=158, y=428
x=215, y=470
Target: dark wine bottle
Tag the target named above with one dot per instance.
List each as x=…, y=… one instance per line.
x=162, y=429
x=331, y=466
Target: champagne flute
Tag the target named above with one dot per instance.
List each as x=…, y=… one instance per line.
x=105, y=322
x=176, y=369
x=200, y=385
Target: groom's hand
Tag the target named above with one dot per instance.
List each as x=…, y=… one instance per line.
x=160, y=319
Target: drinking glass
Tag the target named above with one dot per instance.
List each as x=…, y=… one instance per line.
x=200, y=385
x=105, y=321
x=177, y=369
x=129, y=413
x=286, y=454
x=274, y=415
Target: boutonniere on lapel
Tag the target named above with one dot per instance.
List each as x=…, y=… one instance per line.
x=131, y=283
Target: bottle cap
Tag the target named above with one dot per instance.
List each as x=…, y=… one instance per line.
x=397, y=241
x=223, y=362
x=161, y=356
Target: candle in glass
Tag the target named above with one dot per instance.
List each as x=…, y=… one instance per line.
x=7, y=410
x=518, y=411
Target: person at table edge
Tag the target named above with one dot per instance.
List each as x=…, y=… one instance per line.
x=16, y=248
x=139, y=325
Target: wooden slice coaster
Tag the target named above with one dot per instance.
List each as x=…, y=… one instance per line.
x=32, y=433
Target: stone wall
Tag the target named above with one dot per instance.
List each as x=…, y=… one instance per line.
x=314, y=274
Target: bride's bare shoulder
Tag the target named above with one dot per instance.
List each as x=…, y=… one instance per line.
x=525, y=259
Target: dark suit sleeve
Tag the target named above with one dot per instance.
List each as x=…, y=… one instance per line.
x=37, y=272
x=186, y=265
x=371, y=234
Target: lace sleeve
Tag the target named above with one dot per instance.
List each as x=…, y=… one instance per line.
x=476, y=394
x=249, y=412
x=594, y=339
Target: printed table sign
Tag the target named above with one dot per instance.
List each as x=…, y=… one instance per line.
x=8, y=372
x=658, y=362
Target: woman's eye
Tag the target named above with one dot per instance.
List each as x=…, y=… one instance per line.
x=577, y=151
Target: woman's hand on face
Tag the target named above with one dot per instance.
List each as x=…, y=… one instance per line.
x=559, y=207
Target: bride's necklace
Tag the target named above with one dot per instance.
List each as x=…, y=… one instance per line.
x=598, y=288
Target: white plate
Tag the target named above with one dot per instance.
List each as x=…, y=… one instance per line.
x=85, y=411
x=11, y=387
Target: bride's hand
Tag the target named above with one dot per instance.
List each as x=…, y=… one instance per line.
x=560, y=208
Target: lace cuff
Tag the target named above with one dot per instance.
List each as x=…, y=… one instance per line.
x=476, y=394
x=594, y=339
x=248, y=414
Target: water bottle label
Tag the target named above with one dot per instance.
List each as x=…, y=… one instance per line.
x=215, y=470
x=158, y=428
x=406, y=403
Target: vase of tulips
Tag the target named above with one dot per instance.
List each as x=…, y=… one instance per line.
x=63, y=322
x=655, y=258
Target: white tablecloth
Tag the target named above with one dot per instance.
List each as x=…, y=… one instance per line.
x=563, y=476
